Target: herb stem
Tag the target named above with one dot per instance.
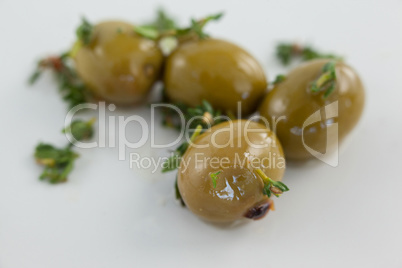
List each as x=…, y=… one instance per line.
x=270, y=186
x=324, y=78
x=263, y=176
x=196, y=133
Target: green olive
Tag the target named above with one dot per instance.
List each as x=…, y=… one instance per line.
x=217, y=71
x=118, y=65
x=294, y=101
x=233, y=151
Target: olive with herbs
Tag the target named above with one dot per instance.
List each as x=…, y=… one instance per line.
x=309, y=122
x=217, y=71
x=118, y=65
x=218, y=175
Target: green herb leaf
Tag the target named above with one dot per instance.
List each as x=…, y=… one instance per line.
x=214, y=177
x=35, y=76
x=84, y=31
x=164, y=22
x=266, y=190
x=197, y=26
x=286, y=52
x=326, y=81
x=165, y=26
x=204, y=115
x=271, y=186
x=73, y=90
x=178, y=195
x=279, y=78
x=147, y=31
x=58, y=162
x=330, y=89
x=281, y=186
x=81, y=130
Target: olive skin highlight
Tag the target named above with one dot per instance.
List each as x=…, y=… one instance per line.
x=239, y=190
x=294, y=100
x=217, y=71
x=118, y=65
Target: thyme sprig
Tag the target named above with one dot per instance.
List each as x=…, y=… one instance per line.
x=286, y=52
x=71, y=87
x=59, y=162
x=197, y=26
x=270, y=186
x=203, y=114
x=85, y=31
x=166, y=27
x=163, y=21
x=326, y=81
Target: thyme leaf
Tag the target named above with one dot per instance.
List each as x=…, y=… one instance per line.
x=80, y=130
x=84, y=31
x=59, y=162
x=71, y=87
x=279, y=78
x=214, y=177
x=326, y=81
x=203, y=114
x=271, y=187
x=286, y=52
x=164, y=26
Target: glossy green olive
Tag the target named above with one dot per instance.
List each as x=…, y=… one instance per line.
x=293, y=100
x=118, y=65
x=217, y=71
x=235, y=149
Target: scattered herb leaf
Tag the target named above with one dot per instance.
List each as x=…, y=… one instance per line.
x=58, y=162
x=81, y=130
x=71, y=87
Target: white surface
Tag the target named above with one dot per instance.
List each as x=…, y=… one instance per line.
x=109, y=215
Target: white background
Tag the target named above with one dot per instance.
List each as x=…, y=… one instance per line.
x=109, y=215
